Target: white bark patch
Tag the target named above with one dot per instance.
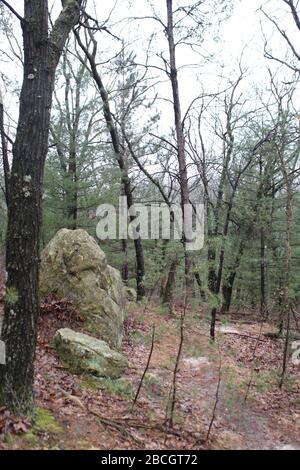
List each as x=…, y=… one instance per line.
x=2, y=353
x=26, y=192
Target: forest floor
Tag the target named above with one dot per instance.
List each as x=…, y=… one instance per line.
x=81, y=412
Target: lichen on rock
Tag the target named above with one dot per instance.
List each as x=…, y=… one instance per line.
x=73, y=266
x=130, y=294
x=85, y=354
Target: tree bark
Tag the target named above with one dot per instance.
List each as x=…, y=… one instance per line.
x=263, y=275
x=5, y=160
x=227, y=287
x=183, y=176
x=200, y=285
x=41, y=55
x=170, y=284
x=117, y=147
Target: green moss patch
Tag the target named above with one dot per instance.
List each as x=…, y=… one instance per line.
x=46, y=422
x=122, y=387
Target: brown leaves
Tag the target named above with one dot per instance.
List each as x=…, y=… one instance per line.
x=62, y=309
x=12, y=424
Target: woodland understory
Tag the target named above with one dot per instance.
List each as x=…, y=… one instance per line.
x=228, y=394
x=171, y=105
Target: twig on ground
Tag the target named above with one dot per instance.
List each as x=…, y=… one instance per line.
x=177, y=362
x=259, y=339
x=286, y=349
x=217, y=395
x=253, y=357
x=145, y=370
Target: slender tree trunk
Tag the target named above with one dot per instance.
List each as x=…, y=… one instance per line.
x=125, y=180
x=227, y=287
x=19, y=332
x=184, y=189
x=287, y=306
x=263, y=276
x=124, y=270
x=200, y=285
x=170, y=284
x=227, y=290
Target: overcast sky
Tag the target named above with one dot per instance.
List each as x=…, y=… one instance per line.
x=241, y=32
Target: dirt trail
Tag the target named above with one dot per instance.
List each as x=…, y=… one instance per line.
x=270, y=419
x=238, y=425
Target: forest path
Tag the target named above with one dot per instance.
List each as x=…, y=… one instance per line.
x=270, y=419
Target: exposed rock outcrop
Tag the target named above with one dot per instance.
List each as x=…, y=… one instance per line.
x=73, y=266
x=130, y=294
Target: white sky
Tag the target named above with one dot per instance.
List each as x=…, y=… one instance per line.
x=241, y=32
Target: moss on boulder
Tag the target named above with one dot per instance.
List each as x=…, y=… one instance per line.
x=85, y=354
x=130, y=294
x=74, y=266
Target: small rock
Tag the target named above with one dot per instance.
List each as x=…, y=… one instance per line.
x=196, y=362
x=85, y=354
x=228, y=329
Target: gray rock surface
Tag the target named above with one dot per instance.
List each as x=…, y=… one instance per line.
x=85, y=354
x=73, y=266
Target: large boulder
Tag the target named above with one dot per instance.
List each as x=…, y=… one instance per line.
x=84, y=354
x=130, y=294
x=74, y=266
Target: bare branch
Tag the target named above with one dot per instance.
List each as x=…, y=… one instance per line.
x=20, y=18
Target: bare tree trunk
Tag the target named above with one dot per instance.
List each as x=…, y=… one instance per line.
x=170, y=284
x=125, y=180
x=124, y=270
x=227, y=290
x=263, y=275
x=287, y=304
x=184, y=189
x=19, y=332
x=200, y=285
x=227, y=287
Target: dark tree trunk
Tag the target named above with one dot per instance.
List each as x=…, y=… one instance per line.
x=170, y=284
x=124, y=270
x=227, y=290
x=4, y=149
x=19, y=332
x=200, y=285
x=183, y=175
x=263, y=275
x=119, y=154
x=227, y=287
